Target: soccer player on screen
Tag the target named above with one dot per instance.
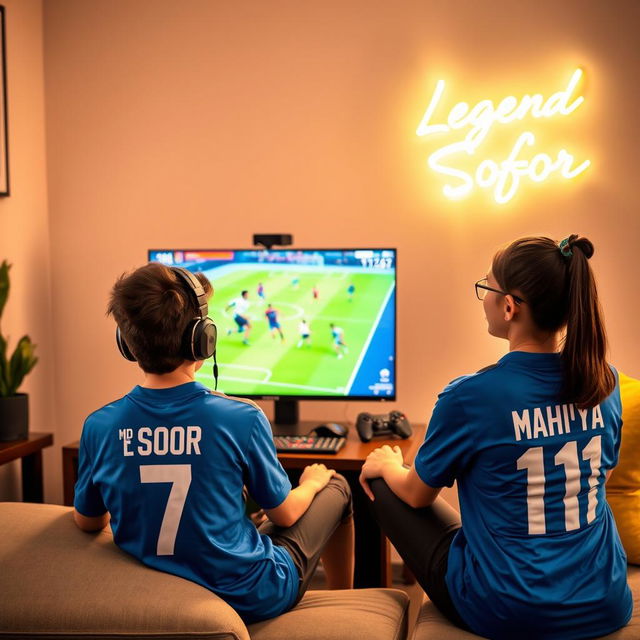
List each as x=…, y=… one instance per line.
x=305, y=333
x=350, y=291
x=337, y=333
x=261, y=291
x=240, y=307
x=274, y=325
x=315, y=293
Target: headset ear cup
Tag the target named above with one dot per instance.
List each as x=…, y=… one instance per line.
x=204, y=337
x=187, y=349
x=199, y=339
x=211, y=337
x=123, y=347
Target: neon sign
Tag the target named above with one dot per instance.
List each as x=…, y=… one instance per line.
x=503, y=177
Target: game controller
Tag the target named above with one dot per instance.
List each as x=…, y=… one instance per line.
x=393, y=423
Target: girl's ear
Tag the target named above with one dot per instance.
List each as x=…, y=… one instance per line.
x=510, y=308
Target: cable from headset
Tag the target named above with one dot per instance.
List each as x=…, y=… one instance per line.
x=215, y=372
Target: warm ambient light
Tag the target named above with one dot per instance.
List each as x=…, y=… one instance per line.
x=504, y=177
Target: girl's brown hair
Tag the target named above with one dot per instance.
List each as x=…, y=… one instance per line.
x=152, y=307
x=560, y=290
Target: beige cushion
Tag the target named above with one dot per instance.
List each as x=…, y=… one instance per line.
x=433, y=625
x=359, y=614
x=56, y=579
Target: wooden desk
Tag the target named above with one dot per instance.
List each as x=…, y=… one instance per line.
x=372, y=562
x=30, y=452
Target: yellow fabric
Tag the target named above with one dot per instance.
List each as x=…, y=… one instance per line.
x=623, y=487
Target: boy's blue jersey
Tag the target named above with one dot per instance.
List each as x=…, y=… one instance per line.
x=169, y=465
x=538, y=555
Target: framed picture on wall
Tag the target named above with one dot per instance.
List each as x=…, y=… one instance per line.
x=4, y=141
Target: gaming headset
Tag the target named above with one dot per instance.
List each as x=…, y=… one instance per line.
x=200, y=335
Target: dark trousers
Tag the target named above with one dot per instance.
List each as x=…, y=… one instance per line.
x=306, y=539
x=422, y=537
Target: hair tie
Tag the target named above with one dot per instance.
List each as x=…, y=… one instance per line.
x=565, y=248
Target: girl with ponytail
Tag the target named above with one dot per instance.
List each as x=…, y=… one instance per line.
x=530, y=441
x=560, y=289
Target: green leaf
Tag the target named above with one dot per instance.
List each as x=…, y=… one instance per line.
x=4, y=284
x=13, y=370
x=21, y=363
x=3, y=367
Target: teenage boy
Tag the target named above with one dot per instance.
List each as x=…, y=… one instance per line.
x=168, y=461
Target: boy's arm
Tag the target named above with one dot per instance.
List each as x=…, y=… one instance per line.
x=91, y=523
x=314, y=478
x=87, y=498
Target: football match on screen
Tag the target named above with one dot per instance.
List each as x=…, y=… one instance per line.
x=299, y=322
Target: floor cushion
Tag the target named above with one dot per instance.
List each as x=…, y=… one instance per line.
x=433, y=625
x=57, y=581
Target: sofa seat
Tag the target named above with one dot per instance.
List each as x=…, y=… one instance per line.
x=433, y=625
x=59, y=582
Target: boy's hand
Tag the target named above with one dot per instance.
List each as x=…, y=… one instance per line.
x=317, y=476
x=258, y=517
x=375, y=463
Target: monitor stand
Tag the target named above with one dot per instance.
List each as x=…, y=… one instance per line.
x=286, y=412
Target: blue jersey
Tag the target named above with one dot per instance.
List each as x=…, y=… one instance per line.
x=538, y=555
x=272, y=317
x=169, y=465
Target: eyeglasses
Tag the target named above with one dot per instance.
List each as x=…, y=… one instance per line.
x=482, y=288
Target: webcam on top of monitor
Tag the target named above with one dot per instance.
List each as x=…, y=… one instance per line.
x=269, y=240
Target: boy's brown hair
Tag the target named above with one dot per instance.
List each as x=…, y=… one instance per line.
x=152, y=307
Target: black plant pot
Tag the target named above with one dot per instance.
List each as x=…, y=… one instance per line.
x=14, y=417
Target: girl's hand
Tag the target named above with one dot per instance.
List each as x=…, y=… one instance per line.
x=376, y=462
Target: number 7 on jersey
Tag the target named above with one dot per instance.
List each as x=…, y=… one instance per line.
x=179, y=475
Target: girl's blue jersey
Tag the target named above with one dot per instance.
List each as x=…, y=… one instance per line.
x=538, y=555
x=169, y=465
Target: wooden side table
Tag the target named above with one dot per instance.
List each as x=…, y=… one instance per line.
x=30, y=453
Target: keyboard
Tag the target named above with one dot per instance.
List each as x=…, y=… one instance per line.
x=308, y=444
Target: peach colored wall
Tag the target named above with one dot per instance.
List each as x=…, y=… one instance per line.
x=198, y=123
x=24, y=226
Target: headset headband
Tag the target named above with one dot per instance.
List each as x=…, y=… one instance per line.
x=196, y=287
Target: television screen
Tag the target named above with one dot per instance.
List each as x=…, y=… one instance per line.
x=300, y=323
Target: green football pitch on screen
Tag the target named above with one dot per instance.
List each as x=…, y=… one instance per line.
x=269, y=365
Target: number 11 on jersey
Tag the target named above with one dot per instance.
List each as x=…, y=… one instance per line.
x=533, y=461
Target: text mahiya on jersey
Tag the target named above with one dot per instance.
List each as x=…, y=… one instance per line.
x=544, y=422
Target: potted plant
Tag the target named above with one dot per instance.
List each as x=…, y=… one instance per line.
x=14, y=406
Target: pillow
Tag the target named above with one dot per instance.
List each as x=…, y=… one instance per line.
x=623, y=487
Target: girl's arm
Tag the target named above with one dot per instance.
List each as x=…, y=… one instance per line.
x=387, y=463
